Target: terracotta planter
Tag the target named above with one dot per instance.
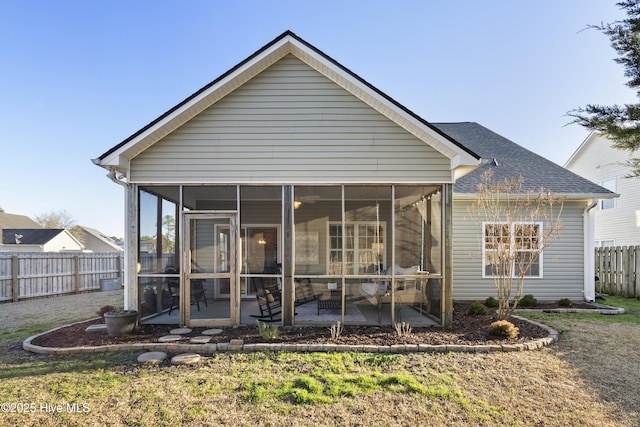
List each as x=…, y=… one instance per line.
x=120, y=322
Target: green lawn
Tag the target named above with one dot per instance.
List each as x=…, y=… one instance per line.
x=317, y=389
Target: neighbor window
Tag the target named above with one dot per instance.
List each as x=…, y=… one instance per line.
x=609, y=184
x=511, y=248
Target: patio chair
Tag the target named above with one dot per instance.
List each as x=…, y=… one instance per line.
x=269, y=299
x=173, y=283
x=197, y=293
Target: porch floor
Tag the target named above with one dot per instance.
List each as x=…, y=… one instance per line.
x=357, y=313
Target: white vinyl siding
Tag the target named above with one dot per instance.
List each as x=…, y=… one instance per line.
x=290, y=124
x=597, y=161
x=563, y=259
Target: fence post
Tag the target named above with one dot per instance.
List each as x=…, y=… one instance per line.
x=76, y=274
x=15, y=284
x=636, y=275
x=625, y=271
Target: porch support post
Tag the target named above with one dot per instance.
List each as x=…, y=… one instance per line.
x=131, y=251
x=447, y=285
x=287, y=256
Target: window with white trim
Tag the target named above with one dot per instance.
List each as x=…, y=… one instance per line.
x=509, y=248
x=609, y=184
x=364, y=250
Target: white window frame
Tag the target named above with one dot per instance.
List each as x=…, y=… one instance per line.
x=512, y=246
x=356, y=241
x=606, y=204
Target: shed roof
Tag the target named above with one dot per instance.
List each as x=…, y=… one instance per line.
x=510, y=160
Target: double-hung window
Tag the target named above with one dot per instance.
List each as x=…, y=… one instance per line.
x=609, y=184
x=364, y=250
x=511, y=248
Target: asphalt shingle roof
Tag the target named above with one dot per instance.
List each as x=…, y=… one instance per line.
x=29, y=236
x=513, y=160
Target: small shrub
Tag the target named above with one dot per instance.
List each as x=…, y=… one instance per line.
x=105, y=309
x=564, y=302
x=503, y=328
x=336, y=329
x=528, y=301
x=268, y=332
x=491, y=302
x=403, y=329
x=477, y=309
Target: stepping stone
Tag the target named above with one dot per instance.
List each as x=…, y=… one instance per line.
x=180, y=331
x=96, y=328
x=200, y=340
x=212, y=332
x=186, y=359
x=152, y=357
x=170, y=338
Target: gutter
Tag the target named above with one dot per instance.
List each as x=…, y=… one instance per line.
x=588, y=215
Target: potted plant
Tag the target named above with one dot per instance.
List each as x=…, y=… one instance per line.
x=332, y=285
x=119, y=322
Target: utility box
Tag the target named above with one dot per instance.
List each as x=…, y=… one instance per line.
x=112, y=284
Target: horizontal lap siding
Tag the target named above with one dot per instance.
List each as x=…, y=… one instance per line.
x=290, y=124
x=563, y=261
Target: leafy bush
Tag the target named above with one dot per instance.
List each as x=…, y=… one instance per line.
x=528, y=301
x=268, y=332
x=491, y=302
x=477, y=309
x=503, y=328
x=564, y=302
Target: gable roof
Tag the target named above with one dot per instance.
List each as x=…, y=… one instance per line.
x=101, y=237
x=118, y=157
x=510, y=160
x=29, y=236
x=587, y=141
x=16, y=221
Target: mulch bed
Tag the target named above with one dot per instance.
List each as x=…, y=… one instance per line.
x=466, y=330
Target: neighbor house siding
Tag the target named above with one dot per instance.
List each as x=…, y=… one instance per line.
x=290, y=124
x=563, y=260
x=598, y=161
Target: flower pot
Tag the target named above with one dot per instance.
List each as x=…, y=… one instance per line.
x=332, y=286
x=120, y=322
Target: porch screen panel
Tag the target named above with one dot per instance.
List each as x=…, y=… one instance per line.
x=260, y=238
x=417, y=249
x=318, y=253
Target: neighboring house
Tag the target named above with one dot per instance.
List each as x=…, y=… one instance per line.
x=95, y=241
x=16, y=221
x=38, y=240
x=290, y=169
x=617, y=221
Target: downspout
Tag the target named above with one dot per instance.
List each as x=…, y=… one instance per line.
x=589, y=292
x=128, y=298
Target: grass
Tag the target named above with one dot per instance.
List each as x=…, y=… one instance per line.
x=554, y=386
x=631, y=316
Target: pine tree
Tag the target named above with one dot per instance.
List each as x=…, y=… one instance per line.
x=619, y=123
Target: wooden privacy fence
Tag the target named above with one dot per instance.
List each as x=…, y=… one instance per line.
x=618, y=268
x=36, y=274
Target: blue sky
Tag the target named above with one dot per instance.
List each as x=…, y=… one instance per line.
x=78, y=77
